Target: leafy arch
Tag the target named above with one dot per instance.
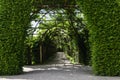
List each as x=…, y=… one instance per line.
x=103, y=23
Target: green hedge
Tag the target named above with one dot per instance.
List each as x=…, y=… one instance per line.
x=14, y=20
x=103, y=18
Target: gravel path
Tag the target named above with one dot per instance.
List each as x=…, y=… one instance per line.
x=63, y=70
x=59, y=72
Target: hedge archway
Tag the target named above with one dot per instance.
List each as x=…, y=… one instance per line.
x=103, y=23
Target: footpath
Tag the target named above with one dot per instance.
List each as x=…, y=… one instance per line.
x=59, y=69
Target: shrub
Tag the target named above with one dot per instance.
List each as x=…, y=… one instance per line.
x=103, y=18
x=14, y=21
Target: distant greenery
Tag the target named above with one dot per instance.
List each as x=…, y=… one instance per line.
x=65, y=34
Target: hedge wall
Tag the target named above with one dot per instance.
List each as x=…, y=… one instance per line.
x=103, y=19
x=14, y=20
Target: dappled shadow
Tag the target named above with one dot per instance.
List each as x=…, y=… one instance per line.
x=57, y=72
x=30, y=72
x=58, y=67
